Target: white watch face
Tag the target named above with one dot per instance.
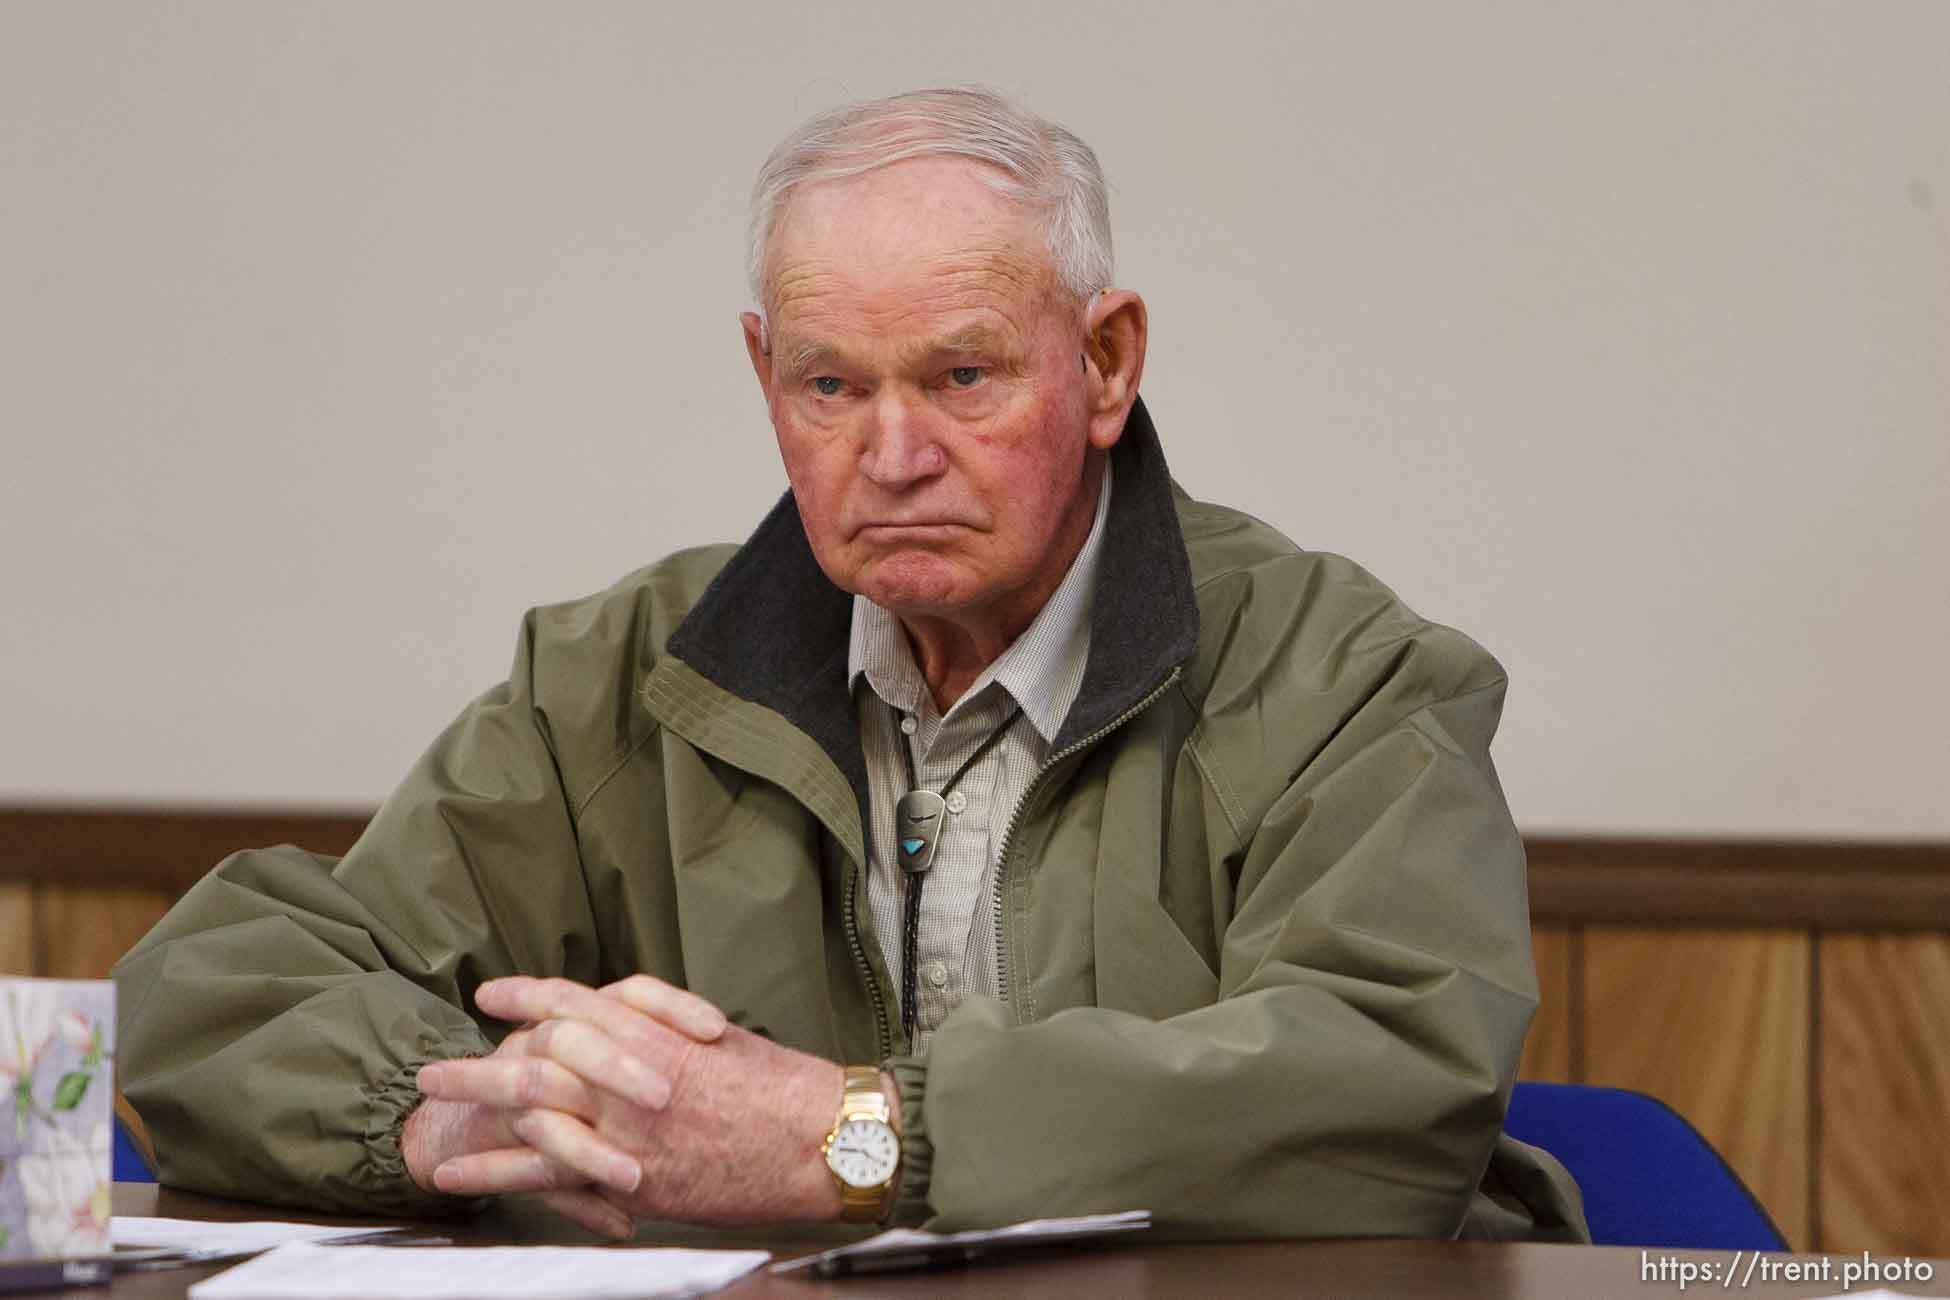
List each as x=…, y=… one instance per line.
x=864, y=1153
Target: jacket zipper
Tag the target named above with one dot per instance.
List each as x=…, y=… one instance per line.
x=1009, y=831
x=849, y=918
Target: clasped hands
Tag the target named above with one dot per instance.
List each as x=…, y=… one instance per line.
x=634, y=1100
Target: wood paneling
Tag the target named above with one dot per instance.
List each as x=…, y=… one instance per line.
x=86, y=928
x=1547, y=1051
x=1884, y=1146
x=1716, y=1023
x=167, y=848
x=1872, y=886
x=17, y=932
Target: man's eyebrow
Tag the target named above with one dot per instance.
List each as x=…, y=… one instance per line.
x=806, y=357
x=977, y=336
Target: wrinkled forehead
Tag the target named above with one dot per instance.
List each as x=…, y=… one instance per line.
x=916, y=229
x=867, y=295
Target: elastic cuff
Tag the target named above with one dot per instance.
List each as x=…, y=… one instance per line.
x=392, y=1102
x=917, y=1152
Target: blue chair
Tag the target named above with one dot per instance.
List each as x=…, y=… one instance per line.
x=1648, y=1177
x=131, y=1156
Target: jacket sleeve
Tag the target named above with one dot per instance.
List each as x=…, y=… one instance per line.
x=273, y=1021
x=1349, y=1079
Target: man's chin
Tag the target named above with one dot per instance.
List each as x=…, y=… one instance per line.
x=916, y=585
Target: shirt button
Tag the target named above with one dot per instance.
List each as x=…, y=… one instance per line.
x=936, y=974
x=909, y=725
x=957, y=801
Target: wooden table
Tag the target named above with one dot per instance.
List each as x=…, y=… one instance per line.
x=1396, y=1270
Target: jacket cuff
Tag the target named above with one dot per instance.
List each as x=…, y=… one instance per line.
x=917, y=1152
x=392, y=1102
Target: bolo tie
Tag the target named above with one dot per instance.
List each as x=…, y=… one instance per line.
x=919, y=816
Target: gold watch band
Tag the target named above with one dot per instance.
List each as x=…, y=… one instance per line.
x=863, y=1099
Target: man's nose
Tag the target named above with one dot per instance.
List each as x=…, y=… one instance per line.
x=900, y=447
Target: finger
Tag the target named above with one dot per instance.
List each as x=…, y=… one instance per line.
x=599, y=1059
x=519, y=997
x=519, y=1081
x=684, y=1011
x=571, y=1143
x=591, y=1211
x=506, y=1169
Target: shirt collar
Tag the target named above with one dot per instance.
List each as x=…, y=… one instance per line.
x=1041, y=670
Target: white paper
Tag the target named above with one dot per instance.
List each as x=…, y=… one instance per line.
x=896, y=1243
x=303, y=1271
x=194, y=1239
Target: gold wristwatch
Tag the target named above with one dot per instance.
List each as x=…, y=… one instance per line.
x=863, y=1151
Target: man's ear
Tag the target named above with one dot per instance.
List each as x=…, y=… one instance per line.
x=758, y=346
x=1115, y=331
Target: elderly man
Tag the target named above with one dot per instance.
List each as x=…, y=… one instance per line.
x=998, y=833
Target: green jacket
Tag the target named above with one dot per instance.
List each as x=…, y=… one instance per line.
x=1265, y=948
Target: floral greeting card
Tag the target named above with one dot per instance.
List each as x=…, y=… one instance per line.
x=57, y=1066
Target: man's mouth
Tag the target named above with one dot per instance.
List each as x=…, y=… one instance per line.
x=911, y=526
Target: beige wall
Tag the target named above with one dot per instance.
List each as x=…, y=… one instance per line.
x=335, y=335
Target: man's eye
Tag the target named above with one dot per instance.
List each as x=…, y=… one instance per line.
x=965, y=376
x=827, y=386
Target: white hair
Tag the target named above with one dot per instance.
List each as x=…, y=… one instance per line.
x=1030, y=161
